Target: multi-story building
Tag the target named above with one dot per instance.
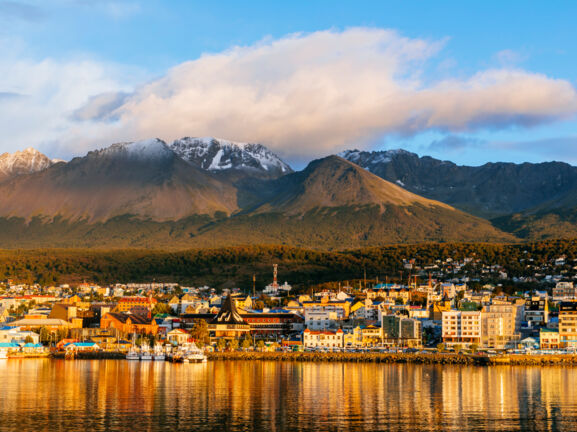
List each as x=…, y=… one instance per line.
x=320, y=318
x=323, y=339
x=341, y=307
x=564, y=290
x=136, y=305
x=536, y=311
x=463, y=328
x=401, y=331
x=498, y=327
x=549, y=339
x=568, y=324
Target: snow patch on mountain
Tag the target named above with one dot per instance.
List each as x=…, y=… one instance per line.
x=215, y=154
x=149, y=149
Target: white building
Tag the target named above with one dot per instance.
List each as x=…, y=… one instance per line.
x=463, y=328
x=323, y=339
x=321, y=318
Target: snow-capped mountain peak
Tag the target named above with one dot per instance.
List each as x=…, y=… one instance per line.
x=26, y=161
x=215, y=154
x=140, y=150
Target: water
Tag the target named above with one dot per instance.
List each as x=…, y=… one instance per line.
x=58, y=395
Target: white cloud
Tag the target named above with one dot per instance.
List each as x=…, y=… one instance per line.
x=303, y=95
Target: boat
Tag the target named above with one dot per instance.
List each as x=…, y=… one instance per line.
x=194, y=354
x=145, y=354
x=132, y=354
x=159, y=353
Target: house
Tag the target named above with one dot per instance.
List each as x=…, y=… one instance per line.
x=8, y=347
x=33, y=348
x=549, y=339
x=177, y=336
x=128, y=323
x=51, y=324
x=82, y=346
x=536, y=311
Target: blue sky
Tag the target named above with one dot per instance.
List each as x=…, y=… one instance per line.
x=469, y=83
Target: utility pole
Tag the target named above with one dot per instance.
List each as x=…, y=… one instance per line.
x=254, y=285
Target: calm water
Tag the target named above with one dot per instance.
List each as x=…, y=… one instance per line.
x=119, y=395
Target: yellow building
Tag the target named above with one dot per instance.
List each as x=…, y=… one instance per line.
x=549, y=339
x=568, y=324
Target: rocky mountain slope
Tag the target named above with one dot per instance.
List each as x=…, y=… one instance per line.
x=145, y=179
x=490, y=190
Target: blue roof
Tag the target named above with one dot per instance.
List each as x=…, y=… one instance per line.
x=31, y=345
x=8, y=345
x=81, y=344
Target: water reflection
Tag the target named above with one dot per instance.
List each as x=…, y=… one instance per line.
x=121, y=395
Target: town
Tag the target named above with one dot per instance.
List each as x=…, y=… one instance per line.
x=145, y=320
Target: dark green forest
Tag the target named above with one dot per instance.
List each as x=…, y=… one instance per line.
x=235, y=266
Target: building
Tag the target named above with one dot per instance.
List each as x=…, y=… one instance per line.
x=273, y=323
x=127, y=323
x=498, y=329
x=322, y=318
x=549, y=339
x=177, y=336
x=342, y=307
x=564, y=290
x=401, y=331
x=463, y=328
x=136, y=305
x=228, y=323
x=536, y=311
x=323, y=339
x=568, y=324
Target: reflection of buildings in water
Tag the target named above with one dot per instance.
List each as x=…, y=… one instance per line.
x=265, y=395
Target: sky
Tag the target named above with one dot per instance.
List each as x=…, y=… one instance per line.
x=470, y=82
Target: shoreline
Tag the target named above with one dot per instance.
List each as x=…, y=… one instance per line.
x=434, y=358
x=389, y=358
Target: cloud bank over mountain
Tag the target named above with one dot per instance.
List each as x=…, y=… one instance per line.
x=306, y=95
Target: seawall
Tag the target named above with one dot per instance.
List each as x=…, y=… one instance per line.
x=433, y=358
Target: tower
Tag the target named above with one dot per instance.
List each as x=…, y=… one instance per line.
x=274, y=275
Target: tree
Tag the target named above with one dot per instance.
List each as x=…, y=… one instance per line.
x=44, y=335
x=233, y=344
x=474, y=348
x=221, y=344
x=457, y=348
x=441, y=347
x=246, y=342
x=199, y=332
x=161, y=309
x=28, y=339
x=260, y=344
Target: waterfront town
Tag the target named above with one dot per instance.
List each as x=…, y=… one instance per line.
x=431, y=315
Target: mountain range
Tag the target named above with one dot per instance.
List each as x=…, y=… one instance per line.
x=205, y=192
